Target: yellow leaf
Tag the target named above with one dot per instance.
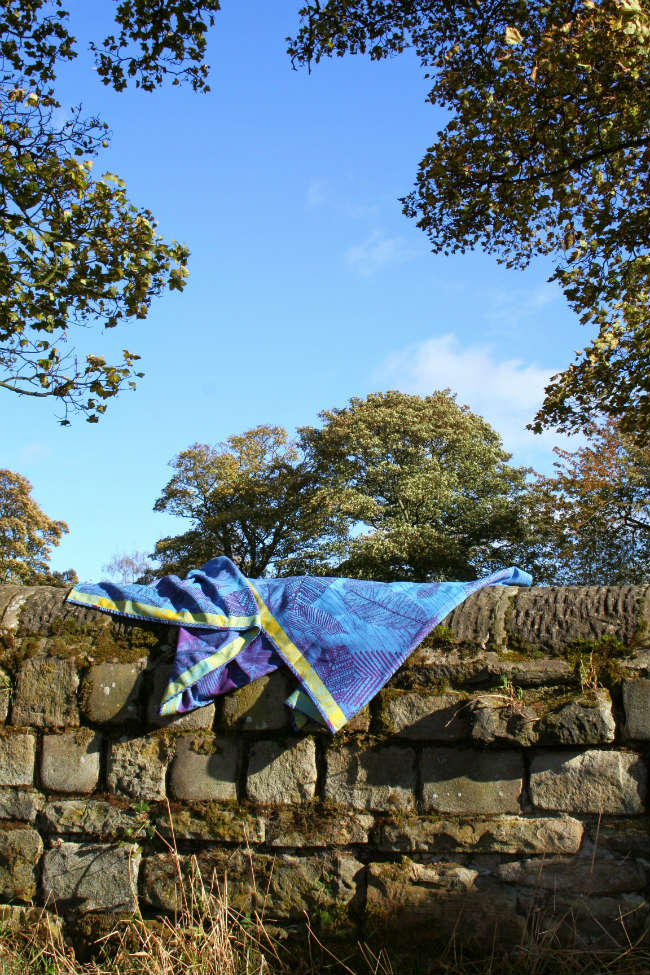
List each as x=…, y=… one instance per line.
x=512, y=36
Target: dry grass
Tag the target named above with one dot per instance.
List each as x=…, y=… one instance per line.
x=207, y=936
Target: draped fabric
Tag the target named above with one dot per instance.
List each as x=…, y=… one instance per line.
x=341, y=638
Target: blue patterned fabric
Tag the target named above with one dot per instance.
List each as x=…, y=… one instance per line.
x=342, y=638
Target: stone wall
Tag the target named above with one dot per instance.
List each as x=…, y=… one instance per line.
x=498, y=782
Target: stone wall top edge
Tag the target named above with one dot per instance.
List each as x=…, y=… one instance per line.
x=526, y=625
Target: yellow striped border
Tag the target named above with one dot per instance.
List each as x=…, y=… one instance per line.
x=300, y=665
x=128, y=607
x=203, y=667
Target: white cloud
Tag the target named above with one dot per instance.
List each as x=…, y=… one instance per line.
x=507, y=392
x=376, y=252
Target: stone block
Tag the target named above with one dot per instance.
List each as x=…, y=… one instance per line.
x=160, y=885
x=17, y=752
x=407, y=901
x=12, y=600
x=191, y=721
x=94, y=817
x=425, y=717
x=258, y=706
x=283, y=884
x=360, y=723
x=628, y=837
x=499, y=834
x=213, y=821
x=110, y=692
x=479, y=618
x=5, y=694
x=576, y=876
x=636, y=702
x=554, y=617
x=429, y=665
x=637, y=664
x=591, y=781
x=494, y=718
x=550, y=718
x=84, y=877
x=316, y=884
x=205, y=767
x=39, y=607
x=380, y=778
x=137, y=767
x=70, y=762
x=585, y=720
x=462, y=781
x=20, y=850
x=280, y=772
x=17, y=919
x=317, y=825
x=536, y=671
x=23, y=804
x=45, y=695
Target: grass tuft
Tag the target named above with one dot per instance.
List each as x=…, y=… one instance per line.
x=206, y=935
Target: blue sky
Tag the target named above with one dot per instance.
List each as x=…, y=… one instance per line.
x=307, y=285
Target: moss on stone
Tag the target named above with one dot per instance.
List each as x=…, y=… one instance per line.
x=602, y=657
x=335, y=920
x=316, y=815
x=99, y=642
x=440, y=636
x=14, y=651
x=382, y=721
x=401, y=818
x=225, y=819
x=600, y=662
x=83, y=736
x=606, y=646
x=88, y=934
x=84, y=643
x=518, y=650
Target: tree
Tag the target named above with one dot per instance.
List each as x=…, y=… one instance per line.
x=595, y=512
x=251, y=498
x=129, y=568
x=546, y=152
x=423, y=485
x=27, y=536
x=75, y=250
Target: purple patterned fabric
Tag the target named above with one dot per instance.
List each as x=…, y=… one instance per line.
x=342, y=638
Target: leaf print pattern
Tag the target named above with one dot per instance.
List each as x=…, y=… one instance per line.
x=395, y=610
x=342, y=638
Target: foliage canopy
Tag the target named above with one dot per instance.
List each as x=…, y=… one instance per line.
x=75, y=250
x=251, y=498
x=546, y=152
x=594, y=514
x=395, y=486
x=26, y=535
x=423, y=485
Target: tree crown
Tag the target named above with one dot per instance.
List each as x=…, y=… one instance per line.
x=27, y=535
x=547, y=152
